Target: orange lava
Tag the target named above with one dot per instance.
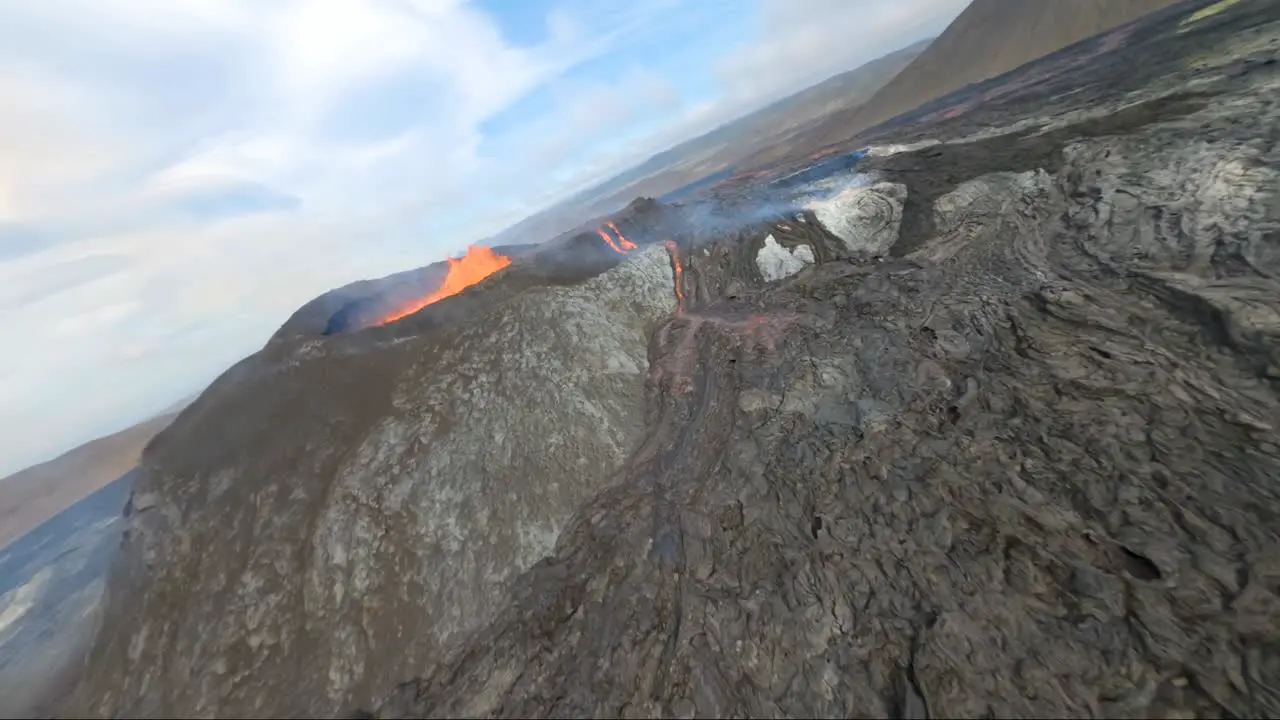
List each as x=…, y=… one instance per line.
x=622, y=240
x=674, y=251
x=478, y=263
x=613, y=244
x=622, y=245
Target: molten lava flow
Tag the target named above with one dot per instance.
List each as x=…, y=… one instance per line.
x=678, y=269
x=478, y=263
x=604, y=235
x=622, y=239
x=622, y=245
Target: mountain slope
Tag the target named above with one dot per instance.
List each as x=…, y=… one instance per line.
x=989, y=38
x=32, y=496
x=402, y=474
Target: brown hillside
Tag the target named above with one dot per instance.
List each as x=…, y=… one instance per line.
x=32, y=496
x=990, y=38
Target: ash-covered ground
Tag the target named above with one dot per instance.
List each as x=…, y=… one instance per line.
x=994, y=434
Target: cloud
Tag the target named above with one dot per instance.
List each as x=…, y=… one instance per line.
x=180, y=175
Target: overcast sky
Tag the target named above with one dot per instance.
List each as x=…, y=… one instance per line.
x=177, y=176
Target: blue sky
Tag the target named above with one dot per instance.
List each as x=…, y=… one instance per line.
x=180, y=175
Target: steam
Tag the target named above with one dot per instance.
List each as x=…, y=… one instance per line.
x=712, y=219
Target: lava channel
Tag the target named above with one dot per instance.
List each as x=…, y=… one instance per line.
x=478, y=263
x=622, y=246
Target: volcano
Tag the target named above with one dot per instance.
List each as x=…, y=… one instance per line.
x=990, y=435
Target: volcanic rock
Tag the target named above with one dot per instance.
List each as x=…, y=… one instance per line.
x=331, y=515
x=868, y=219
x=1025, y=466
x=777, y=262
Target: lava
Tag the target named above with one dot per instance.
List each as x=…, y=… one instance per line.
x=622, y=245
x=622, y=239
x=478, y=263
x=674, y=251
x=613, y=244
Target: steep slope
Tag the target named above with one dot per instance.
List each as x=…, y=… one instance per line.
x=990, y=38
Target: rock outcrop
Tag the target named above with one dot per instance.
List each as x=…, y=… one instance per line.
x=868, y=219
x=332, y=514
x=1023, y=467
x=776, y=262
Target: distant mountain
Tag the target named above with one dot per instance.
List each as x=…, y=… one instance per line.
x=30, y=497
x=990, y=38
x=717, y=150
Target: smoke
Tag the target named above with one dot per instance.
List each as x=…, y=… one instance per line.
x=784, y=198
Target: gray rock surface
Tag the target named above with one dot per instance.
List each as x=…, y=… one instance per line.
x=868, y=219
x=1025, y=468
x=353, y=510
x=776, y=262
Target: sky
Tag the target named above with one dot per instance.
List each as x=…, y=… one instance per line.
x=178, y=176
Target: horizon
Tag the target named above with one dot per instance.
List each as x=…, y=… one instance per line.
x=183, y=176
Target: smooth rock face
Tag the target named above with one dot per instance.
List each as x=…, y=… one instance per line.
x=868, y=219
x=323, y=522
x=776, y=262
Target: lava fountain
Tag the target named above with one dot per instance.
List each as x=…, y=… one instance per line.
x=478, y=263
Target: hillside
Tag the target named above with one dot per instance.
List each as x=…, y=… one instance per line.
x=990, y=38
x=30, y=497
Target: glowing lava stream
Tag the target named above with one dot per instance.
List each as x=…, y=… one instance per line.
x=674, y=251
x=623, y=246
x=478, y=263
